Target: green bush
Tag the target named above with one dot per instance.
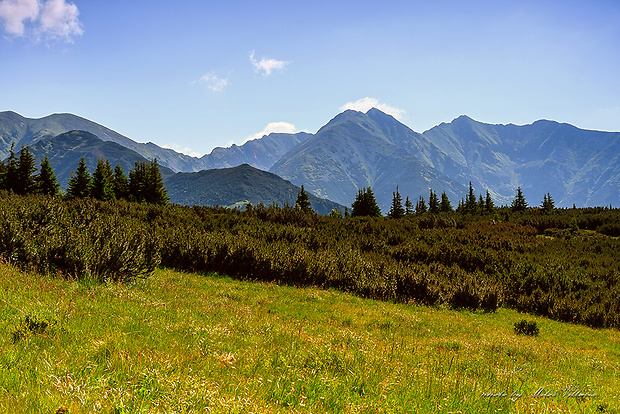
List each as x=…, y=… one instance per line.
x=524, y=327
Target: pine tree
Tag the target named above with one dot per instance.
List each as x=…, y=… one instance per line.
x=548, y=204
x=470, y=201
x=409, y=209
x=46, y=182
x=445, y=205
x=146, y=183
x=103, y=177
x=303, y=200
x=420, y=207
x=519, y=203
x=80, y=183
x=120, y=183
x=433, y=203
x=489, y=206
x=26, y=168
x=365, y=204
x=10, y=175
x=396, y=209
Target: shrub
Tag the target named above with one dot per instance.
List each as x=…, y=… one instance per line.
x=524, y=327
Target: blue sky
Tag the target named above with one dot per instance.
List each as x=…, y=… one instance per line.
x=193, y=75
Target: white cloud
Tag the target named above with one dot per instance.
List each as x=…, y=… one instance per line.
x=183, y=150
x=281, y=127
x=14, y=13
x=213, y=82
x=364, y=104
x=60, y=20
x=53, y=19
x=266, y=66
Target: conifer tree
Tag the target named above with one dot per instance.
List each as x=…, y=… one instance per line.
x=519, y=203
x=409, y=209
x=489, y=206
x=26, y=168
x=470, y=201
x=420, y=207
x=46, y=182
x=10, y=174
x=365, y=204
x=80, y=183
x=433, y=203
x=548, y=204
x=103, y=177
x=120, y=183
x=303, y=200
x=396, y=209
x=146, y=183
x=445, y=205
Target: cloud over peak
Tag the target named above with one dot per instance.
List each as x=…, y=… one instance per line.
x=367, y=103
x=267, y=66
x=52, y=19
x=280, y=127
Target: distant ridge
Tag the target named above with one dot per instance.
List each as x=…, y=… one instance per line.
x=238, y=186
x=355, y=150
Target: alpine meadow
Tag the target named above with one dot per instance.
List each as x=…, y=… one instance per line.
x=316, y=207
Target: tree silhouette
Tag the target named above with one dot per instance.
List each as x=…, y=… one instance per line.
x=80, y=183
x=25, y=177
x=445, y=205
x=519, y=203
x=420, y=207
x=433, y=203
x=46, y=182
x=396, y=209
x=303, y=200
x=103, y=181
x=120, y=183
x=365, y=204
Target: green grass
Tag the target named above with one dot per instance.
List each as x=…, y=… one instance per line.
x=179, y=342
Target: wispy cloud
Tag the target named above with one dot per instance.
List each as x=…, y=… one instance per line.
x=214, y=82
x=281, y=127
x=364, y=104
x=267, y=66
x=51, y=19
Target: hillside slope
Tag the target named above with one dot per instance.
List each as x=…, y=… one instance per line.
x=237, y=186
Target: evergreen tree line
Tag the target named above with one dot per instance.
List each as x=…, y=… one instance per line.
x=144, y=184
x=365, y=204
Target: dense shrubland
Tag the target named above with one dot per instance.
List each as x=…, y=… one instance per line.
x=563, y=265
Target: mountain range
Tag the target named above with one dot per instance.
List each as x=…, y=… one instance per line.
x=355, y=150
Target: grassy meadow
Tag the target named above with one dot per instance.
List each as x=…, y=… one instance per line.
x=193, y=343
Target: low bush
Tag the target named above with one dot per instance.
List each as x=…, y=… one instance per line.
x=524, y=327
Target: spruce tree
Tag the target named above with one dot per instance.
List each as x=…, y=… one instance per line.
x=489, y=206
x=519, y=203
x=103, y=177
x=46, y=179
x=303, y=200
x=120, y=183
x=26, y=168
x=10, y=175
x=409, y=209
x=548, y=204
x=445, y=205
x=433, y=203
x=396, y=209
x=420, y=207
x=80, y=183
x=470, y=201
x=146, y=183
x=157, y=193
x=365, y=204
